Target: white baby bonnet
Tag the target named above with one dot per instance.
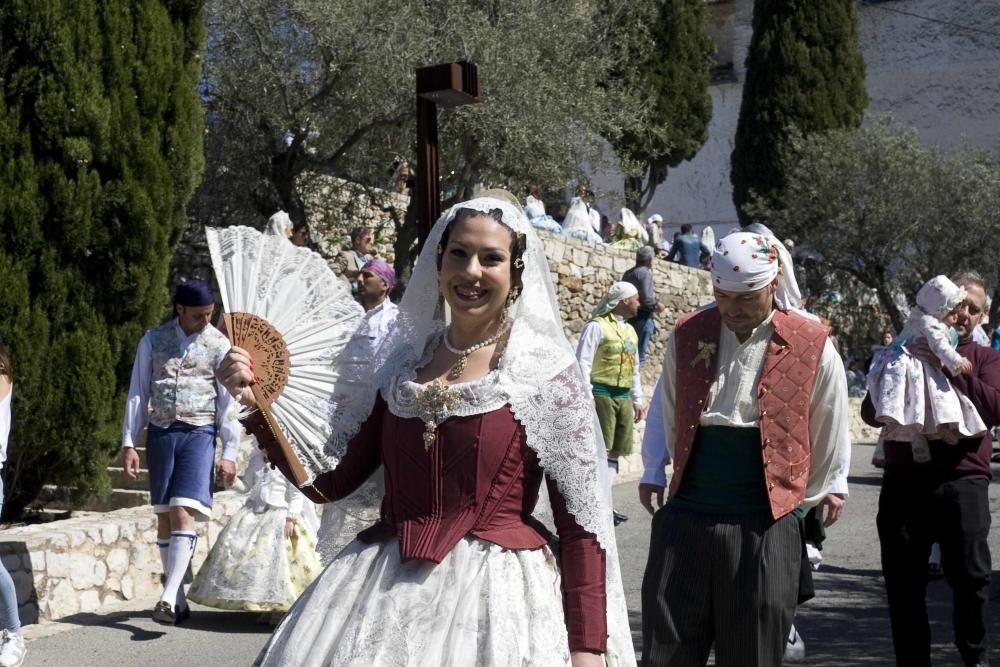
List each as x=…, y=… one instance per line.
x=939, y=296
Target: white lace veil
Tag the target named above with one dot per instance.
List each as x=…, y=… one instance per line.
x=545, y=388
x=631, y=225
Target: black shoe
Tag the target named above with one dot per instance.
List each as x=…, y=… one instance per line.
x=183, y=615
x=619, y=518
x=163, y=613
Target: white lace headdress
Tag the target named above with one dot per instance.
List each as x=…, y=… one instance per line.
x=541, y=379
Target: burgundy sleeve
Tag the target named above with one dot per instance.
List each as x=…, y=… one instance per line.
x=983, y=385
x=583, y=579
x=360, y=461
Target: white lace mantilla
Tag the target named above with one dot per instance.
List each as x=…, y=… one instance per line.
x=538, y=376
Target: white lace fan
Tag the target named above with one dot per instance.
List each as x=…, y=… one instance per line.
x=294, y=316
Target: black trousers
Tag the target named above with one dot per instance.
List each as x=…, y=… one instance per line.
x=727, y=580
x=914, y=511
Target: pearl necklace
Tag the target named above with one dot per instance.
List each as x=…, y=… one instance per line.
x=463, y=355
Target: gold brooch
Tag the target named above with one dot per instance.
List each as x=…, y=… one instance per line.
x=435, y=400
x=706, y=350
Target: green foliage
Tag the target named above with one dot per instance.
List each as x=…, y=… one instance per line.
x=804, y=74
x=669, y=84
x=338, y=80
x=100, y=150
x=881, y=208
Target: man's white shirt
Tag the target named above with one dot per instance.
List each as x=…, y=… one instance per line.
x=732, y=401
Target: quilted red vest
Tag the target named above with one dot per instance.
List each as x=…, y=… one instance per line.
x=783, y=393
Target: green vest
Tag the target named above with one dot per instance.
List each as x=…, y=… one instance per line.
x=616, y=356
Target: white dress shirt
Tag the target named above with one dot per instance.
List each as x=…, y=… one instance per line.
x=732, y=401
x=5, y=425
x=379, y=322
x=137, y=406
x=590, y=339
x=652, y=435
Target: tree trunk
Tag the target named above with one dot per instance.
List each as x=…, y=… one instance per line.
x=405, y=247
x=633, y=193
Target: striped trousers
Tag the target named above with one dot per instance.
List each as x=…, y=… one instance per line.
x=727, y=580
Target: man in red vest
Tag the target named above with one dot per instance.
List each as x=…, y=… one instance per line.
x=755, y=416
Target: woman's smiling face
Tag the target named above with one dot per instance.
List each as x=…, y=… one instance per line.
x=475, y=273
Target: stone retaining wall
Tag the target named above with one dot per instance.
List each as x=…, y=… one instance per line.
x=94, y=561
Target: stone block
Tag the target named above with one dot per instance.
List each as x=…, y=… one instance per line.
x=145, y=557
x=117, y=561
x=110, y=599
x=33, y=561
x=580, y=258
x=621, y=265
x=58, y=565
x=555, y=251
x=127, y=532
x=77, y=538
x=109, y=534
x=85, y=572
x=128, y=587
x=61, y=599
x=90, y=601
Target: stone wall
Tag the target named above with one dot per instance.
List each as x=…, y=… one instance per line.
x=94, y=561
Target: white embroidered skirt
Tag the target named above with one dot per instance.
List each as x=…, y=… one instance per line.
x=907, y=392
x=482, y=605
x=253, y=567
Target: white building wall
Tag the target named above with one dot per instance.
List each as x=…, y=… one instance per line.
x=942, y=80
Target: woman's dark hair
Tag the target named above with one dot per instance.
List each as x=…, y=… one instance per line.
x=5, y=368
x=518, y=243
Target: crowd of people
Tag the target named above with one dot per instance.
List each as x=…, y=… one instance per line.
x=581, y=219
x=466, y=512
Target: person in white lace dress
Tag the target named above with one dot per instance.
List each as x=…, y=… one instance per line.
x=266, y=555
x=913, y=398
x=468, y=418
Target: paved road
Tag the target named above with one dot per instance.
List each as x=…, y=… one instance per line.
x=845, y=626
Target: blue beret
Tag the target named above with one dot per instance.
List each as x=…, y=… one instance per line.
x=193, y=293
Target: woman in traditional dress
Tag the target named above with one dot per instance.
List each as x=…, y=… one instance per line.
x=467, y=419
x=266, y=555
x=577, y=222
x=534, y=208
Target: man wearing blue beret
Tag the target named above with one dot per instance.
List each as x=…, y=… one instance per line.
x=174, y=391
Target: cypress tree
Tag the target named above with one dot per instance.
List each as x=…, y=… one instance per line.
x=670, y=78
x=100, y=151
x=804, y=74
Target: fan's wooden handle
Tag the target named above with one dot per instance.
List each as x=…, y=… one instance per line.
x=294, y=465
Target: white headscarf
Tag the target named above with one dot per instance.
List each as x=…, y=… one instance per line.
x=577, y=217
x=747, y=261
x=656, y=217
x=617, y=293
x=279, y=224
x=538, y=375
x=631, y=225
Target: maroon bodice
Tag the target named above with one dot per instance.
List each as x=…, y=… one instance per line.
x=478, y=478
